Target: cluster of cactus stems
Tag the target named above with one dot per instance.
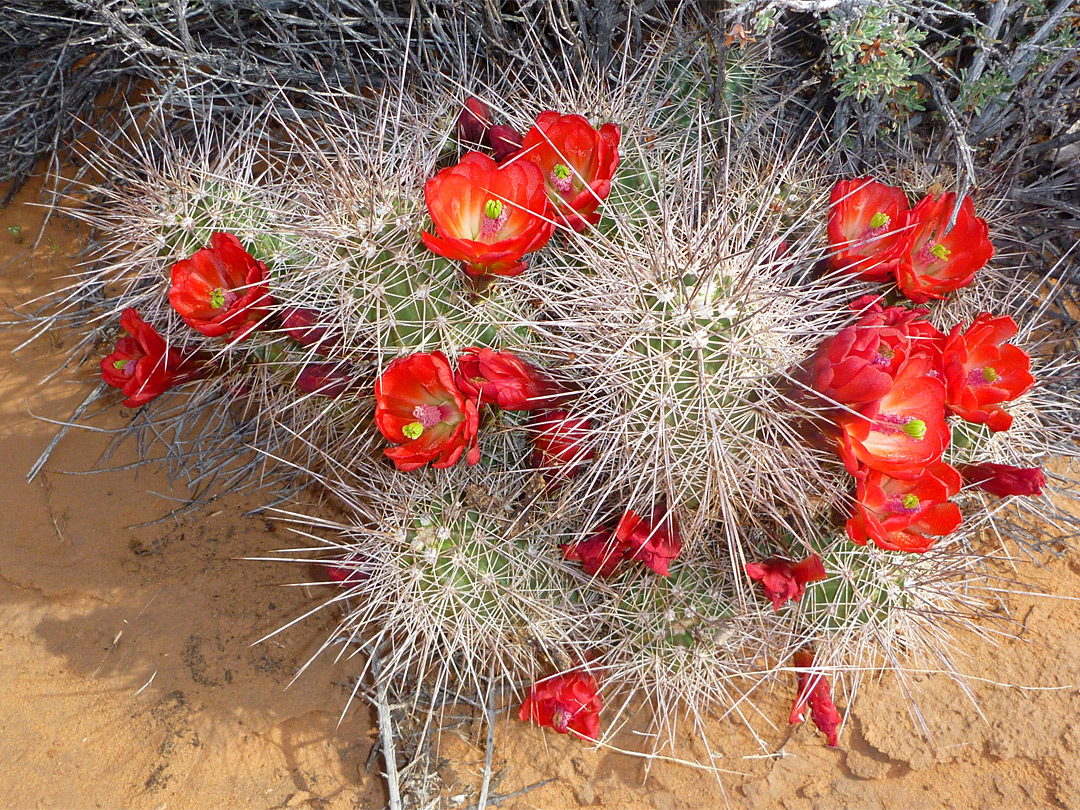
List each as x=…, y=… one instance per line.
x=677, y=319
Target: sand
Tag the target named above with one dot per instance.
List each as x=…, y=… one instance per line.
x=133, y=679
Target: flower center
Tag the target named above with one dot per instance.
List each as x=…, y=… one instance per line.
x=560, y=719
x=125, y=367
x=909, y=426
x=413, y=430
x=879, y=224
x=884, y=357
x=427, y=415
x=940, y=251
x=222, y=298
x=910, y=501
x=495, y=216
x=561, y=177
x=989, y=374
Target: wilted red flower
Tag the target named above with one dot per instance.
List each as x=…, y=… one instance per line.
x=898, y=515
x=504, y=379
x=345, y=574
x=418, y=407
x=474, y=121
x=814, y=691
x=1003, y=480
x=940, y=262
x=560, y=443
x=505, y=141
x=306, y=327
x=488, y=217
x=143, y=366
x=785, y=579
x=868, y=230
x=600, y=554
x=326, y=379
x=982, y=371
x=904, y=432
x=654, y=540
x=568, y=702
x=220, y=289
x=577, y=162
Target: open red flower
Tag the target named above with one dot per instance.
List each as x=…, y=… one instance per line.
x=600, y=555
x=906, y=515
x=474, y=121
x=326, y=379
x=504, y=379
x=868, y=230
x=814, y=691
x=488, y=217
x=143, y=366
x=940, y=262
x=567, y=703
x=904, y=432
x=577, y=162
x=221, y=289
x=418, y=407
x=785, y=579
x=982, y=371
x=1003, y=480
x=561, y=444
x=654, y=540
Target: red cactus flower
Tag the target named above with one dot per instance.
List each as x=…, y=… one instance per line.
x=1003, y=480
x=488, y=217
x=345, y=574
x=814, y=690
x=561, y=444
x=418, y=407
x=904, y=432
x=567, y=703
x=307, y=327
x=221, y=289
x=654, y=540
x=898, y=515
x=504, y=379
x=785, y=579
x=474, y=121
x=326, y=379
x=600, y=555
x=982, y=371
x=143, y=366
x=868, y=228
x=505, y=142
x=577, y=162
x=940, y=262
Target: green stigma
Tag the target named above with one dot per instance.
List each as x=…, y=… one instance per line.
x=940, y=251
x=217, y=298
x=910, y=501
x=879, y=220
x=561, y=170
x=493, y=209
x=119, y=364
x=916, y=428
x=413, y=430
x=989, y=374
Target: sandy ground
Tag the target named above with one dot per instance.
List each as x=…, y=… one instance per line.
x=132, y=680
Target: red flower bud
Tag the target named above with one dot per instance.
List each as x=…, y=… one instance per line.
x=561, y=444
x=488, y=217
x=504, y=379
x=474, y=121
x=567, y=703
x=577, y=161
x=814, y=690
x=326, y=379
x=505, y=141
x=784, y=579
x=982, y=371
x=418, y=406
x=898, y=515
x=654, y=540
x=600, y=555
x=938, y=262
x=305, y=326
x=868, y=230
x=1003, y=480
x=143, y=366
x=220, y=289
